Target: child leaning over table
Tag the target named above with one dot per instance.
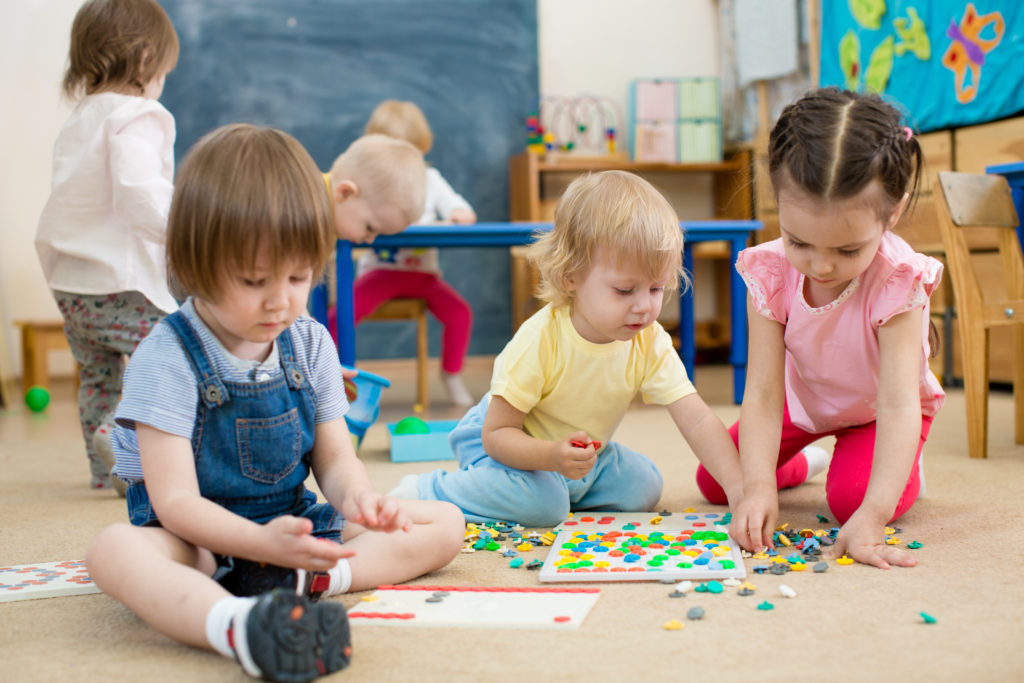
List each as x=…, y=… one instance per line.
x=538, y=445
x=228, y=406
x=416, y=273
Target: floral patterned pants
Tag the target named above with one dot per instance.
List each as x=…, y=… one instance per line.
x=102, y=329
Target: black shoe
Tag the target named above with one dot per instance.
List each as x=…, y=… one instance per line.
x=293, y=640
x=248, y=578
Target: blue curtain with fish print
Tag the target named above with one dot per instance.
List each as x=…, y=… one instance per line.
x=946, y=63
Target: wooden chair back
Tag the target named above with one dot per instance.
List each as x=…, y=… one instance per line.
x=972, y=203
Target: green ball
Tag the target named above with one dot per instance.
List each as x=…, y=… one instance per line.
x=37, y=398
x=411, y=425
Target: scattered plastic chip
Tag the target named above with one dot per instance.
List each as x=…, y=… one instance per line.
x=674, y=625
x=695, y=613
x=765, y=606
x=928, y=619
x=786, y=591
x=914, y=545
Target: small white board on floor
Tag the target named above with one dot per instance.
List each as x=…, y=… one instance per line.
x=475, y=607
x=643, y=546
x=45, y=580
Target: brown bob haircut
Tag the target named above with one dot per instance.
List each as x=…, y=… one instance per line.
x=118, y=46
x=243, y=188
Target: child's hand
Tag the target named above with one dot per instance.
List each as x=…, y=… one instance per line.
x=462, y=217
x=863, y=539
x=754, y=519
x=290, y=543
x=374, y=511
x=572, y=460
x=348, y=373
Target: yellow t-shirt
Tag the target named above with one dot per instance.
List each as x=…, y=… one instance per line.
x=565, y=383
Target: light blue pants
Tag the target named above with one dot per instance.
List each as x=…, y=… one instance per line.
x=486, y=490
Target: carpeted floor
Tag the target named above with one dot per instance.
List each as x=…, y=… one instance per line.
x=853, y=623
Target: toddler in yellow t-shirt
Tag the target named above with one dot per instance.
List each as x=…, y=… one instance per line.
x=538, y=445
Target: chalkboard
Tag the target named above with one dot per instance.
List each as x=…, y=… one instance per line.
x=317, y=68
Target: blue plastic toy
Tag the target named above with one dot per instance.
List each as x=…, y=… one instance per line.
x=363, y=392
x=426, y=440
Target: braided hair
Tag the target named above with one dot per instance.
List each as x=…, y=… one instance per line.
x=832, y=143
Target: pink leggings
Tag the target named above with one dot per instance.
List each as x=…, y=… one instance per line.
x=848, y=473
x=372, y=289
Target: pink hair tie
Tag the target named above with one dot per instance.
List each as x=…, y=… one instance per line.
x=910, y=133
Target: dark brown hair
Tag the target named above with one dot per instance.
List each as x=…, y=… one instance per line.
x=119, y=45
x=832, y=143
x=242, y=188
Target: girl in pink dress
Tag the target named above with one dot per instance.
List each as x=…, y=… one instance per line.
x=839, y=328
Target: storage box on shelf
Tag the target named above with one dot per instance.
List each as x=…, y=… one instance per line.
x=675, y=120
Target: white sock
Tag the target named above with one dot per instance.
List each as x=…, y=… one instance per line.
x=407, y=489
x=817, y=460
x=341, y=578
x=218, y=623
x=457, y=390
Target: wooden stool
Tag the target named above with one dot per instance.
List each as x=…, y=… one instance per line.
x=983, y=204
x=37, y=338
x=410, y=309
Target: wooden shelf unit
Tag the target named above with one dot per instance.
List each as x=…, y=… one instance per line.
x=732, y=199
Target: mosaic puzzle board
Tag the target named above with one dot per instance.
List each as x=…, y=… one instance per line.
x=642, y=546
x=475, y=606
x=45, y=580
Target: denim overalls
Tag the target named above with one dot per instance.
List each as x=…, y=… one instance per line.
x=251, y=442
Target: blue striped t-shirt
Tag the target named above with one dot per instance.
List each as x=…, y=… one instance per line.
x=160, y=387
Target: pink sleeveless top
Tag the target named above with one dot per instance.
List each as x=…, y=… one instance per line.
x=832, y=353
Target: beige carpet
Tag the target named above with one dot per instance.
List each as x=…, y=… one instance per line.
x=850, y=624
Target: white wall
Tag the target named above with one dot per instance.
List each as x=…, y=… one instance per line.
x=599, y=46
x=33, y=52
x=586, y=46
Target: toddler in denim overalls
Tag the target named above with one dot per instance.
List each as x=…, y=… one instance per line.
x=228, y=406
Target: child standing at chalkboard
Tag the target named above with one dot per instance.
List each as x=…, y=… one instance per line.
x=101, y=235
x=390, y=274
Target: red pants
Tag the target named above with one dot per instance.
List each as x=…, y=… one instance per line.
x=372, y=289
x=848, y=473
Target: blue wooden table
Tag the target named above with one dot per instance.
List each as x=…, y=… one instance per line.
x=1015, y=177
x=736, y=233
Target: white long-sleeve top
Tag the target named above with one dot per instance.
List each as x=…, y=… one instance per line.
x=441, y=201
x=103, y=229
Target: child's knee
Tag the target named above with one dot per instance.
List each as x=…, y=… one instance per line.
x=105, y=548
x=452, y=530
x=645, y=485
x=544, y=515
x=710, y=488
x=542, y=503
x=642, y=496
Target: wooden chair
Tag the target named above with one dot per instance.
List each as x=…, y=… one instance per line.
x=410, y=309
x=982, y=203
x=38, y=337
